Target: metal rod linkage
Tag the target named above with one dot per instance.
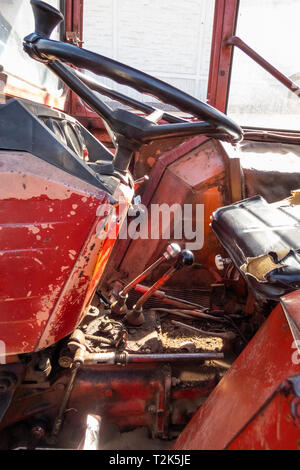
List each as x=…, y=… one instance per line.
x=119, y=306
x=136, y=317
x=238, y=42
x=125, y=358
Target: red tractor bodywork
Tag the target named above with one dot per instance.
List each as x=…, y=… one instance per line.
x=257, y=404
x=52, y=262
x=55, y=252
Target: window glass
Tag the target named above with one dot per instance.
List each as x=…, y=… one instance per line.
x=256, y=99
x=16, y=22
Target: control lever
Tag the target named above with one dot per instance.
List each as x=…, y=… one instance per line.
x=135, y=316
x=119, y=306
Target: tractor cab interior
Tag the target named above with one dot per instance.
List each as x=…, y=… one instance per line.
x=108, y=318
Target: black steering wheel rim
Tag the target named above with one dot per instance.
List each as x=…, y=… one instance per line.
x=55, y=53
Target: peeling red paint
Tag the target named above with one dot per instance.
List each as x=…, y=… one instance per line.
x=48, y=271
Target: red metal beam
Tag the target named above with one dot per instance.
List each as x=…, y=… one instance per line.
x=78, y=19
x=68, y=16
x=221, y=53
x=74, y=21
x=74, y=35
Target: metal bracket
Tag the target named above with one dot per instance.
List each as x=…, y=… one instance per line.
x=73, y=38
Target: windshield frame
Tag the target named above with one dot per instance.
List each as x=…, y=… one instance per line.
x=224, y=43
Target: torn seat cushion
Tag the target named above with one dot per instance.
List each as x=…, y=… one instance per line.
x=263, y=241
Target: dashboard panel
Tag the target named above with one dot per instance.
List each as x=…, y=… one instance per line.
x=58, y=139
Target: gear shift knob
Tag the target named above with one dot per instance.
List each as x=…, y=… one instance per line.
x=186, y=258
x=172, y=251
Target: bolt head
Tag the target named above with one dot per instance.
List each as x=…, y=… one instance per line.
x=219, y=263
x=38, y=432
x=65, y=361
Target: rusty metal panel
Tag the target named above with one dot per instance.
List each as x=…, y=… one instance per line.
x=261, y=369
x=198, y=176
x=51, y=256
x=275, y=427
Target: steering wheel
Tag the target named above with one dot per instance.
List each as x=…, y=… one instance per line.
x=128, y=127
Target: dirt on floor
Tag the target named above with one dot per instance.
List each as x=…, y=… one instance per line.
x=176, y=339
x=159, y=335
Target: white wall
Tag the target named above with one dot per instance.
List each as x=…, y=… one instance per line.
x=169, y=39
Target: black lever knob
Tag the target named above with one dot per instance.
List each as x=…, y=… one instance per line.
x=46, y=18
x=186, y=258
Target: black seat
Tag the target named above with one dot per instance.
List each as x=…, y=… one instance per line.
x=263, y=241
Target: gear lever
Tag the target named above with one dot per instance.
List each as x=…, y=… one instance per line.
x=135, y=316
x=119, y=306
